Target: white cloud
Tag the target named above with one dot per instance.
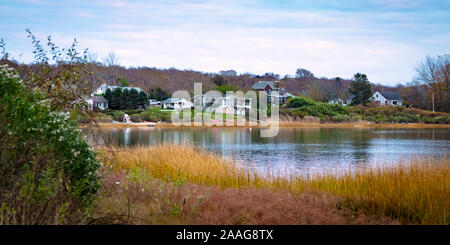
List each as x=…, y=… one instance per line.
x=241, y=35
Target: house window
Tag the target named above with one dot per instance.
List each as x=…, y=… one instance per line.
x=394, y=102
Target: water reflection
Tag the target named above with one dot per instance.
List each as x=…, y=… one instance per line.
x=298, y=148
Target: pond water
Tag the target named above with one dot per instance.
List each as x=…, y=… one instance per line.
x=312, y=149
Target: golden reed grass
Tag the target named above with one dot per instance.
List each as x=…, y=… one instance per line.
x=417, y=192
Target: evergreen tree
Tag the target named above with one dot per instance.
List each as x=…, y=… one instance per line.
x=108, y=95
x=142, y=99
x=361, y=89
x=123, y=82
x=125, y=99
x=133, y=99
x=219, y=80
x=115, y=99
x=158, y=94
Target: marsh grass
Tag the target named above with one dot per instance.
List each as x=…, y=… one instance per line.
x=413, y=192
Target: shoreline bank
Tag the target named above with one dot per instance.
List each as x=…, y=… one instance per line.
x=283, y=125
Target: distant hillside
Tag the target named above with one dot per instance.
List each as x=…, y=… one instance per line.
x=172, y=80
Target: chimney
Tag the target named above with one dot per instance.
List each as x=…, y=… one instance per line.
x=276, y=84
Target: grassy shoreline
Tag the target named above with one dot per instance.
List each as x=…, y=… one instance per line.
x=287, y=125
x=416, y=192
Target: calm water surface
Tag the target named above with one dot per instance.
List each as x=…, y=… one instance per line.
x=298, y=148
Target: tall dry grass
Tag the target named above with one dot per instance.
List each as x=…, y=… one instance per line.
x=415, y=192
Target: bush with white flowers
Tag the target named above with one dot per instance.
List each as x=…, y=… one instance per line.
x=46, y=167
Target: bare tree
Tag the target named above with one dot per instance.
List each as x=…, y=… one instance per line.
x=92, y=57
x=111, y=59
x=431, y=71
x=304, y=74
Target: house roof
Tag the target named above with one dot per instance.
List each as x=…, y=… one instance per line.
x=262, y=85
x=391, y=95
x=99, y=99
x=112, y=87
x=129, y=88
x=172, y=100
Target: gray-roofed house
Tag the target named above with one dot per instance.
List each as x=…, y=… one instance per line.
x=270, y=86
x=387, y=98
x=264, y=85
x=97, y=102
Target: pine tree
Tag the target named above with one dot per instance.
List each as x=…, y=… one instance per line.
x=116, y=99
x=108, y=95
x=133, y=99
x=142, y=99
x=123, y=82
x=125, y=99
x=361, y=89
x=158, y=94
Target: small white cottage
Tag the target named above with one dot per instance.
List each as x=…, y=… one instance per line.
x=97, y=102
x=176, y=104
x=387, y=98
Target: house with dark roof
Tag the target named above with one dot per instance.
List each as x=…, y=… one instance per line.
x=97, y=102
x=387, y=98
x=264, y=86
x=270, y=86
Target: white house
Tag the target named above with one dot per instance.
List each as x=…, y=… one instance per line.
x=97, y=102
x=102, y=89
x=233, y=105
x=153, y=102
x=176, y=104
x=387, y=98
x=227, y=104
x=343, y=102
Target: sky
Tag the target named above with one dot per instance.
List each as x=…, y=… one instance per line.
x=384, y=39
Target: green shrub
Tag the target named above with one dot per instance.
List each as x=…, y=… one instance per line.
x=133, y=111
x=310, y=107
x=413, y=118
x=145, y=116
x=428, y=119
x=154, y=114
x=381, y=119
x=118, y=116
x=48, y=172
x=135, y=118
x=298, y=113
x=297, y=102
x=402, y=119
x=369, y=118
x=341, y=118
x=355, y=117
x=440, y=120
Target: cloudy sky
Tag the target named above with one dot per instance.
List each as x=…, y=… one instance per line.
x=381, y=38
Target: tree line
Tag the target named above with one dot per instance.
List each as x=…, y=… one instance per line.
x=429, y=89
x=122, y=98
